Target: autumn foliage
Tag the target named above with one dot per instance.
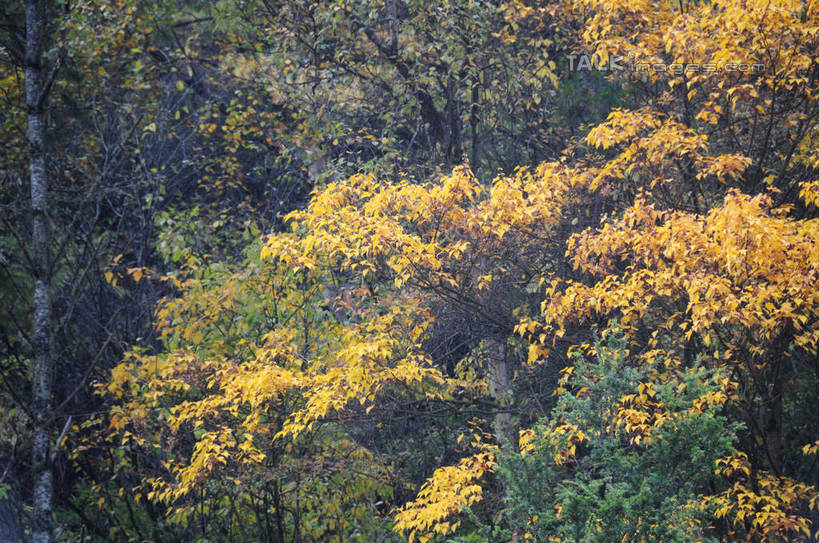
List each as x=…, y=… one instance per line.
x=706, y=259
x=618, y=340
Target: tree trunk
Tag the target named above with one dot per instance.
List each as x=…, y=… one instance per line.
x=498, y=376
x=43, y=371
x=774, y=418
x=473, y=123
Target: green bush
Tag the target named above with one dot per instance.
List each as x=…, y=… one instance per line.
x=619, y=483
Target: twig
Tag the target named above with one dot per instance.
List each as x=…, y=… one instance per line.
x=60, y=439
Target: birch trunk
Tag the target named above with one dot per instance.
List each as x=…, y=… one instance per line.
x=41, y=465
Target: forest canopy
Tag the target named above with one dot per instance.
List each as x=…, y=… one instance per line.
x=457, y=271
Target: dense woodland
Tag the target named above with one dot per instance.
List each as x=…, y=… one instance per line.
x=428, y=271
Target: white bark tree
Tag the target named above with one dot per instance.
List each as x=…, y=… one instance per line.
x=43, y=370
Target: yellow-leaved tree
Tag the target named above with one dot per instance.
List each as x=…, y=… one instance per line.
x=341, y=321
x=714, y=256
